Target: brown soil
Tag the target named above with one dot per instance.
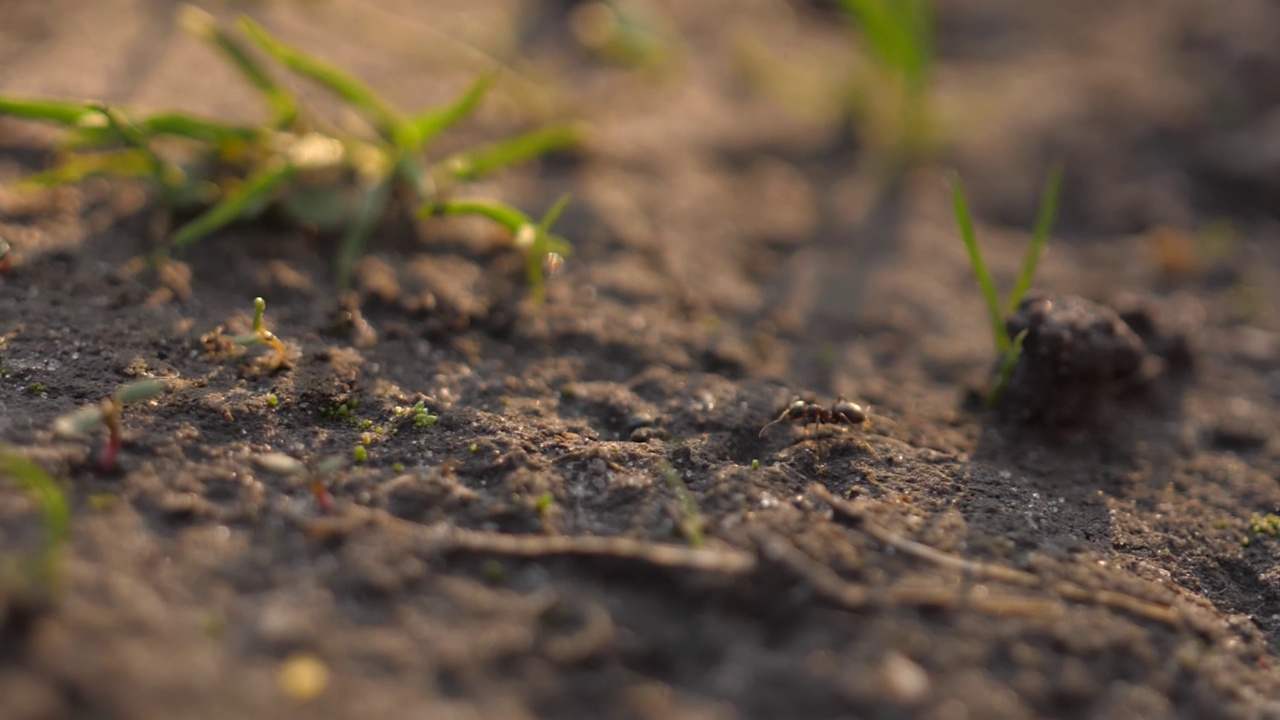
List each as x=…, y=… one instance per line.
x=529, y=554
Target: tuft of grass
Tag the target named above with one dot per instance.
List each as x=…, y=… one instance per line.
x=40, y=573
x=1008, y=350
x=208, y=174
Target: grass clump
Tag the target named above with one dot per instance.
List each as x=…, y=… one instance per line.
x=1008, y=349
x=207, y=174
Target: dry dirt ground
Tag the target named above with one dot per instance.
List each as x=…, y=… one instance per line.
x=530, y=554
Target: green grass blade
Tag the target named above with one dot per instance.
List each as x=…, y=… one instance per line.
x=338, y=81
x=255, y=193
x=54, y=111
x=500, y=213
x=362, y=226
x=691, y=523
x=194, y=128
x=965, y=222
x=899, y=34
x=281, y=102
x=553, y=213
x=127, y=163
x=1040, y=235
x=1008, y=362
x=46, y=493
x=475, y=164
x=422, y=128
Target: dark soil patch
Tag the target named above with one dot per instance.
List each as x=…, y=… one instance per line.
x=529, y=554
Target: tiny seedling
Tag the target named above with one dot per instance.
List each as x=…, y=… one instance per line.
x=208, y=174
x=261, y=334
x=106, y=413
x=1008, y=349
x=39, y=573
x=691, y=522
x=422, y=418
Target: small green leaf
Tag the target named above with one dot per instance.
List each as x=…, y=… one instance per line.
x=140, y=390
x=245, y=200
x=501, y=213
x=476, y=164
x=78, y=423
x=338, y=81
x=53, y=508
x=194, y=128
x=67, y=112
x=422, y=128
x=128, y=163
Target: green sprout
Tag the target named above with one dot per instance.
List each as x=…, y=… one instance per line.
x=422, y=418
x=691, y=522
x=544, y=251
x=106, y=414
x=42, y=571
x=213, y=174
x=899, y=36
x=261, y=334
x=1008, y=349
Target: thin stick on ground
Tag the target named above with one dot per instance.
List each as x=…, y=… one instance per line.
x=1157, y=612
x=445, y=538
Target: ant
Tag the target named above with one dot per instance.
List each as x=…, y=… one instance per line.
x=843, y=412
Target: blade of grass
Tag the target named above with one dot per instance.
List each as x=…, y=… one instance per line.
x=422, y=128
x=53, y=507
x=55, y=111
x=505, y=215
x=545, y=244
x=128, y=163
x=898, y=33
x=194, y=128
x=553, y=213
x=1040, y=235
x=362, y=226
x=1008, y=362
x=475, y=164
x=171, y=124
x=281, y=102
x=965, y=222
x=254, y=193
x=691, y=523
x=384, y=116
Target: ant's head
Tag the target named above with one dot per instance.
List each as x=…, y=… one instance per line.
x=797, y=410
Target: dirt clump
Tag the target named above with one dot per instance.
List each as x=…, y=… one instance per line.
x=1075, y=355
